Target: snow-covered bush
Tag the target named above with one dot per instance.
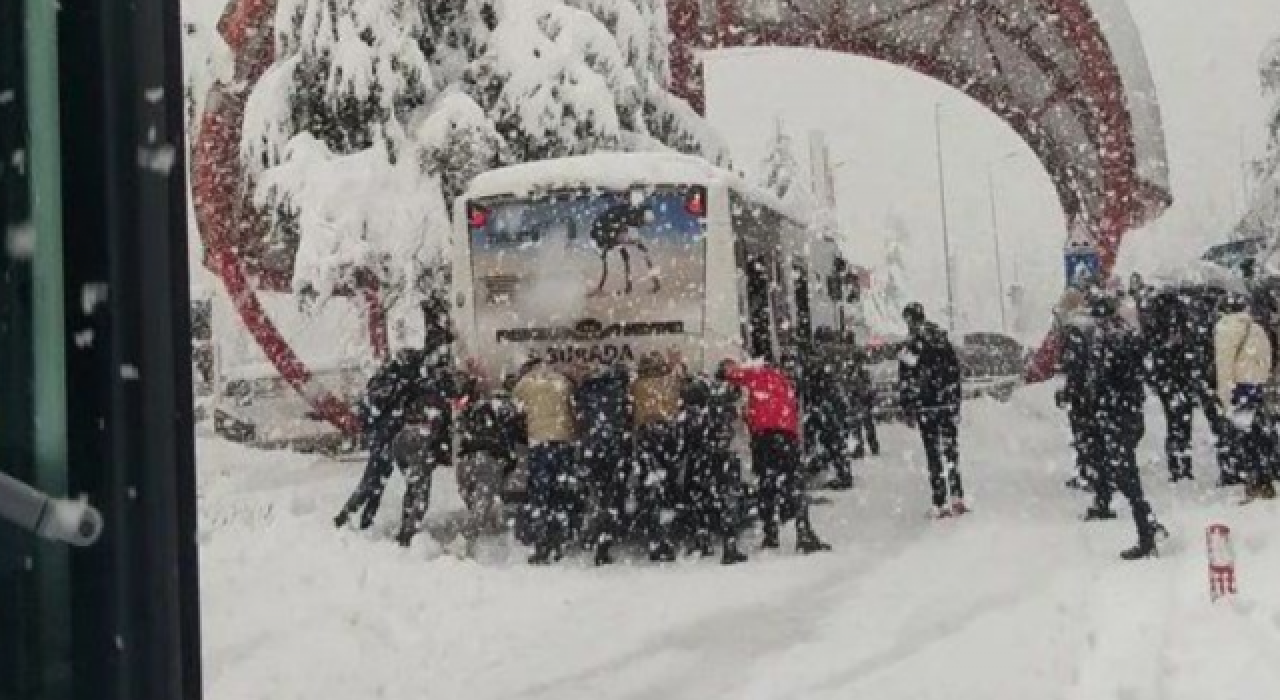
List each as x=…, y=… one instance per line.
x=377, y=114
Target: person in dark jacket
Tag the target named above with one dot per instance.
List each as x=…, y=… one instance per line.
x=1173, y=375
x=713, y=473
x=655, y=397
x=828, y=414
x=929, y=383
x=773, y=420
x=862, y=399
x=412, y=389
x=489, y=433
x=1115, y=381
x=603, y=403
x=1075, y=397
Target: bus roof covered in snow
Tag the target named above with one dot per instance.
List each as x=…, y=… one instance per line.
x=618, y=171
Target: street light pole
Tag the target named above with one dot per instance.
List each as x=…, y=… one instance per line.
x=942, y=201
x=995, y=239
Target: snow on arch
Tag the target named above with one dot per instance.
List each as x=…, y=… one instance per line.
x=1069, y=76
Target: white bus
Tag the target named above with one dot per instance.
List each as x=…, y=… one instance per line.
x=606, y=257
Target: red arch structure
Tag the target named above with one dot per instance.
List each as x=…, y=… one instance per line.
x=1069, y=76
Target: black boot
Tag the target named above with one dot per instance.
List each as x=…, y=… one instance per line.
x=808, y=543
x=770, y=537
x=541, y=555
x=405, y=538
x=702, y=545
x=661, y=552
x=842, y=482
x=1227, y=479
x=341, y=518
x=1099, y=513
x=732, y=555
x=603, y=556
x=1146, y=548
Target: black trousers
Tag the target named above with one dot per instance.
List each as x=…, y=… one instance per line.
x=607, y=462
x=940, y=436
x=1178, y=407
x=1084, y=435
x=712, y=490
x=1118, y=471
x=415, y=456
x=869, y=437
x=775, y=458
x=658, y=464
x=1251, y=449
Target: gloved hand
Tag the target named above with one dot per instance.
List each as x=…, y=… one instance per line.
x=1060, y=398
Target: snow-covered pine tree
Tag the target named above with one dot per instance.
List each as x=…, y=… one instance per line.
x=780, y=170
x=1264, y=209
x=377, y=113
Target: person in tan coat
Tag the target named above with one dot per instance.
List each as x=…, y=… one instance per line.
x=1242, y=352
x=655, y=395
x=544, y=396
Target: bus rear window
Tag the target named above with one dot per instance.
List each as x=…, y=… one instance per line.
x=592, y=218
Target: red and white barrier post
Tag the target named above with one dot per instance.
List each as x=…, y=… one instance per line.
x=1222, y=561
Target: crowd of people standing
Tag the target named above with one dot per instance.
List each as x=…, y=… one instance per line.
x=1205, y=349
x=645, y=453
x=616, y=452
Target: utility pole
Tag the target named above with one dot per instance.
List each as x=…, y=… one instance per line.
x=942, y=201
x=995, y=239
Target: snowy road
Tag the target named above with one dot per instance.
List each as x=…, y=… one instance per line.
x=1019, y=600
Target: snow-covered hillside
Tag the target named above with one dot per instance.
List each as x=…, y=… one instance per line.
x=1019, y=600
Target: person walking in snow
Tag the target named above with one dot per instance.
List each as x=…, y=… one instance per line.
x=1115, y=383
x=545, y=397
x=929, y=384
x=1243, y=354
x=655, y=395
x=713, y=473
x=773, y=420
x=603, y=404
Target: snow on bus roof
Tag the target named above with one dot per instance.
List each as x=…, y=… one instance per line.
x=617, y=171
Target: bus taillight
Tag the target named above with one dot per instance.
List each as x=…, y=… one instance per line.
x=696, y=202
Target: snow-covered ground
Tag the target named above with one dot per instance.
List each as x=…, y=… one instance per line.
x=1019, y=600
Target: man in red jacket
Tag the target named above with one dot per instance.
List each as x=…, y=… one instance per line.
x=773, y=419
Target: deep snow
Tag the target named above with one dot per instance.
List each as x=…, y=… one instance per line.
x=1019, y=600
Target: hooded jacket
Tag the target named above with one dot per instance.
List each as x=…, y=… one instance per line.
x=1242, y=352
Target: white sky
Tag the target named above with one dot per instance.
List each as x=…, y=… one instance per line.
x=879, y=121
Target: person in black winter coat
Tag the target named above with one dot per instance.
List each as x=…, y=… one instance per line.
x=1115, y=383
x=403, y=416
x=861, y=392
x=1075, y=397
x=713, y=473
x=1176, y=376
x=489, y=431
x=603, y=404
x=929, y=383
x=828, y=414
x=415, y=385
